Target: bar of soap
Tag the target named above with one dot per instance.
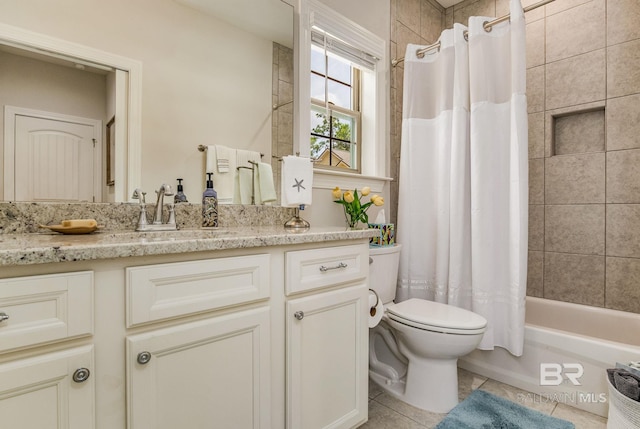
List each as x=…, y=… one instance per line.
x=80, y=223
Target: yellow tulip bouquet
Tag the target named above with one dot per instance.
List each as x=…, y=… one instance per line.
x=354, y=210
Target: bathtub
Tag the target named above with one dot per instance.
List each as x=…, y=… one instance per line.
x=559, y=333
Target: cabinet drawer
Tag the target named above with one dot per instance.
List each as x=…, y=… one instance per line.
x=317, y=268
x=164, y=291
x=43, y=309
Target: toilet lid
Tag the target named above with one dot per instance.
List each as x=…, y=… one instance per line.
x=437, y=315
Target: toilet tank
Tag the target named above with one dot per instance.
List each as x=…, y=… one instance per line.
x=383, y=271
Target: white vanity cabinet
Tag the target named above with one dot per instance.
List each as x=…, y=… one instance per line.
x=43, y=383
x=215, y=369
x=327, y=337
x=266, y=337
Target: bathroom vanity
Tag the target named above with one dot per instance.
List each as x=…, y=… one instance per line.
x=244, y=327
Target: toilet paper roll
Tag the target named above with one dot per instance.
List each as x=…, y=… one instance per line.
x=376, y=309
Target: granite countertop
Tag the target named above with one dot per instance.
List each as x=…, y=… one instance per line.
x=26, y=249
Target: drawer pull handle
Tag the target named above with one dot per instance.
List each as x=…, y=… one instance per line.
x=144, y=358
x=3, y=317
x=81, y=375
x=340, y=265
x=299, y=315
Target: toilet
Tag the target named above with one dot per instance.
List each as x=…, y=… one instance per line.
x=414, y=350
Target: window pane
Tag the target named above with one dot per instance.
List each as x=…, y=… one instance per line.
x=318, y=148
x=339, y=69
x=339, y=94
x=317, y=60
x=319, y=123
x=343, y=126
x=342, y=155
x=317, y=87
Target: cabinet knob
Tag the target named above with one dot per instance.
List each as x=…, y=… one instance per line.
x=144, y=358
x=299, y=315
x=81, y=374
x=3, y=317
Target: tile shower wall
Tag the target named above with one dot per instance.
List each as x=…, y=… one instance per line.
x=583, y=90
x=282, y=118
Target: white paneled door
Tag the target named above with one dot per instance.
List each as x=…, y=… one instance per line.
x=56, y=159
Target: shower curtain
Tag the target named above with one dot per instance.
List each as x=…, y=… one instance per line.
x=463, y=195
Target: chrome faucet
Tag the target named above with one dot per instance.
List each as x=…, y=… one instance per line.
x=157, y=224
x=164, y=190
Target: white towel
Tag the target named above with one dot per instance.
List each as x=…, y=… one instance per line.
x=297, y=181
x=264, y=183
x=223, y=181
x=243, y=185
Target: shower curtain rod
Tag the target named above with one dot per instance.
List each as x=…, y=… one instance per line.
x=487, y=26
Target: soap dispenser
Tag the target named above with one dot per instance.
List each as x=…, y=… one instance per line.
x=180, y=197
x=209, y=205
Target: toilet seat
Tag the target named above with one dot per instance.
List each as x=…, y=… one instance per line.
x=437, y=317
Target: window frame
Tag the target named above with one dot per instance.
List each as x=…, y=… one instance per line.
x=375, y=154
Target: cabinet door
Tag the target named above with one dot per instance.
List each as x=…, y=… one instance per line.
x=209, y=373
x=327, y=359
x=40, y=392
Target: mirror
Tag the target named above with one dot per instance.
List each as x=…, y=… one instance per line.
x=211, y=73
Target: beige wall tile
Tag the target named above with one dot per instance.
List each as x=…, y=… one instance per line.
x=579, y=132
x=536, y=227
x=575, y=31
x=623, y=122
x=404, y=37
x=623, y=284
x=535, y=89
x=502, y=7
x=623, y=230
x=535, y=273
x=575, y=229
x=623, y=69
x=536, y=135
x=575, y=179
x=448, y=18
x=535, y=43
x=623, y=17
x=574, y=278
x=536, y=181
x=408, y=13
x=623, y=176
x=430, y=22
x=532, y=15
x=576, y=80
x=562, y=5
x=476, y=8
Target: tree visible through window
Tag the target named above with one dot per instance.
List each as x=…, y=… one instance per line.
x=335, y=116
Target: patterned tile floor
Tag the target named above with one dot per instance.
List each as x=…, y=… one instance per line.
x=386, y=412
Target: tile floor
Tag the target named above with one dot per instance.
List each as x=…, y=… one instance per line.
x=386, y=412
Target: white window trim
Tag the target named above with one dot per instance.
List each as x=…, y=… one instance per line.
x=375, y=154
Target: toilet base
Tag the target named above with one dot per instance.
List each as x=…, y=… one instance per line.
x=430, y=384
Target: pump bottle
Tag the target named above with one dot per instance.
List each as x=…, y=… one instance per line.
x=209, y=205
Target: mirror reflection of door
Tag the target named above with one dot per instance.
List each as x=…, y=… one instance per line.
x=56, y=159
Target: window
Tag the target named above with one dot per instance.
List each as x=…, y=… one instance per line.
x=335, y=111
x=343, y=100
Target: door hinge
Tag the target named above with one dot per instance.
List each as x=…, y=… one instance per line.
x=94, y=142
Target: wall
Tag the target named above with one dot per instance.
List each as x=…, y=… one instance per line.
x=199, y=86
x=583, y=89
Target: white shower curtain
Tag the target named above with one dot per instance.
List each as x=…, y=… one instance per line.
x=462, y=212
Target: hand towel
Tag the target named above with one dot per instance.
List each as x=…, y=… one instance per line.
x=243, y=177
x=297, y=181
x=223, y=181
x=625, y=382
x=264, y=182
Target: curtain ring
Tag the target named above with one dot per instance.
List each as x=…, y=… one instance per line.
x=487, y=29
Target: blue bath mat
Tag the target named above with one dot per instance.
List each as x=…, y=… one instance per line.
x=482, y=410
